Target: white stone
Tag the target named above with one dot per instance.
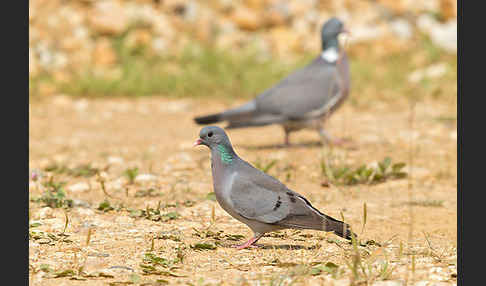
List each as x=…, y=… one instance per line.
x=79, y=187
x=341, y=282
x=433, y=71
x=437, y=277
x=425, y=22
x=85, y=212
x=108, y=17
x=436, y=70
x=115, y=184
x=159, y=44
x=389, y=283
x=401, y=28
x=115, y=160
x=145, y=178
x=44, y=213
x=125, y=220
x=443, y=35
x=366, y=33
x=81, y=105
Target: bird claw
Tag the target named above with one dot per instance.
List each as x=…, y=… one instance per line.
x=340, y=141
x=244, y=245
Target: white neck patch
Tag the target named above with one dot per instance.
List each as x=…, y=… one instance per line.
x=330, y=54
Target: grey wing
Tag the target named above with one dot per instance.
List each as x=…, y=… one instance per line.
x=256, y=202
x=309, y=92
x=263, y=198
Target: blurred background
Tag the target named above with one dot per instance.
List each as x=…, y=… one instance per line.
x=233, y=48
x=114, y=87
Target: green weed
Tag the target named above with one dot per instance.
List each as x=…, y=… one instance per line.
x=147, y=193
x=54, y=196
x=154, y=214
x=345, y=175
x=156, y=265
x=131, y=174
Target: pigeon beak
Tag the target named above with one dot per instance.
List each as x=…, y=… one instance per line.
x=345, y=31
x=198, y=142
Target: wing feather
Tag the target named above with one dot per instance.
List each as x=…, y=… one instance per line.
x=312, y=88
x=258, y=196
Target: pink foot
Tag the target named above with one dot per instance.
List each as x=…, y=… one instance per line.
x=249, y=243
x=340, y=141
x=286, y=141
x=242, y=246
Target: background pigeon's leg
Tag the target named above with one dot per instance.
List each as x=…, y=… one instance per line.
x=287, y=135
x=250, y=242
x=287, y=141
x=327, y=138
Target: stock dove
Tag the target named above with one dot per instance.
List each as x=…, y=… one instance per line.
x=257, y=199
x=301, y=100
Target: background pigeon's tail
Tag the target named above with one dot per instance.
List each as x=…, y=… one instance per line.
x=237, y=115
x=257, y=120
x=208, y=119
x=338, y=227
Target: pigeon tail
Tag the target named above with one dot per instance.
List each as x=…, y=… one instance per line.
x=338, y=227
x=242, y=113
x=328, y=223
x=208, y=119
x=259, y=120
x=234, y=125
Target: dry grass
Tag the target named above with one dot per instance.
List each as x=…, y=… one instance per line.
x=165, y=229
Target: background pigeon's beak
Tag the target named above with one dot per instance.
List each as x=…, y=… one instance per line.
x=198, y=142
x=344, y=30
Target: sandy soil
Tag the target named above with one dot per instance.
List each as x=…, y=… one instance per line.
x=156, y=134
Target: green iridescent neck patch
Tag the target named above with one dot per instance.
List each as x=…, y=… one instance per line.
x=226, y=156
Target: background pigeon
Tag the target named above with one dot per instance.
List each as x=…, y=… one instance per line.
x=302, y=99
x=257, y=199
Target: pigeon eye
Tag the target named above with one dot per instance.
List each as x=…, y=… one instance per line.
x=210, y=134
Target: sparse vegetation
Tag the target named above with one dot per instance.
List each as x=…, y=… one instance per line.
x=196, y=71
x=346, y=175
x=54, y=195
x=83, y=170
x=211, y=196
x=151, y=192
x=49, y=238
x=173, y=226
x=154, y=214
x=203, y=246
x=105, y=206
x=202, y=71
x=329, y=268
x=427, y=203
x=156, y=265
x=131, y=174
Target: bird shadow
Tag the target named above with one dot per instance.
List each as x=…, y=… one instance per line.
x=281, y=246
x=288, y=247
x=308, y=144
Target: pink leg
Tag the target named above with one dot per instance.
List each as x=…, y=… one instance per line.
x=287, y=139
x=249, y=243
x=327, y=138
x=340, y=141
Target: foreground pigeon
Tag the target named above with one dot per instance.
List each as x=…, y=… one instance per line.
x=257, y=199
x=304, y=98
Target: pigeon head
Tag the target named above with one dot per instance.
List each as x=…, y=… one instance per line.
x=212, y=136
x=330, y=31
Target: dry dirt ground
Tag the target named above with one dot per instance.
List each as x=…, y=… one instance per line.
x=415, y=242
